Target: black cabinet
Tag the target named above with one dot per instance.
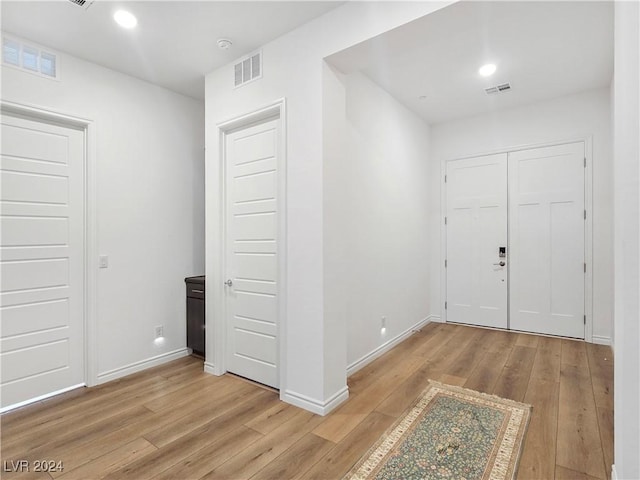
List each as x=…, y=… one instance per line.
x=195, y=314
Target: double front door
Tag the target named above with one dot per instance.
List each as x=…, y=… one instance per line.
x=515, y=248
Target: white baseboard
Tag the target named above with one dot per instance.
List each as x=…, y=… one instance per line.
x=210, y=369
x=313, y=405
x=41, y=397
x=601, y=340
x=388, y=345
x=435, y=319
x=141, y=365
x=614, y=474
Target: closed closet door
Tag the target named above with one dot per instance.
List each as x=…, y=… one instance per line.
x=547, y=240
x=42, y=258
x=251, y=164
x=476, y=229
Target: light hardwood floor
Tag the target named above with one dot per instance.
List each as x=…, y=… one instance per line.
x=176, y=422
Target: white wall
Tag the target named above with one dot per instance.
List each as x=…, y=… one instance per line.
x=380, y=191
x=626, y=107
x=566, y=118
x=335, y=219
x=150, y=201
x=293, y=68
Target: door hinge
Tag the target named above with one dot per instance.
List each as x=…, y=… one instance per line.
x=585, y=267
x=585, y=162
x=585, y=214
x=445, y=220
x=445, y=179
x=585, y=319
x=445, y=263
x=445, y=305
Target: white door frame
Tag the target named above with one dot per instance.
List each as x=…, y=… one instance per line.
x=588, y=231
x=215, y=293
x=90, y=253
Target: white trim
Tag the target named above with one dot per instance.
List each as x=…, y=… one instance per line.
x=90, y=290
x=215, y=294
x=588, y=239
x=41, y=397
x=526, y=146
x=443, y=240
x=435, y=319
x=91, y=257
x=614, y=474
x=601, y=340
x=45, y=114
x=313, y=405
x=142, y=365
x=265, y=112
x=588, y=191
x=385, y=347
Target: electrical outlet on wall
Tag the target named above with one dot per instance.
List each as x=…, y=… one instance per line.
x=159, y=331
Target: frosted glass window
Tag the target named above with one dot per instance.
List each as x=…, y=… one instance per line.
x=10, y=52
x=48, y=64
x=30, y=58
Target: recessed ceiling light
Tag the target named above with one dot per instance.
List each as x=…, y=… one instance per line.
x=487, y=70
x=125, y=19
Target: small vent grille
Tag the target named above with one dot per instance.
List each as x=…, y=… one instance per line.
x=82, y=3
x=504, y=87
x=247, y=69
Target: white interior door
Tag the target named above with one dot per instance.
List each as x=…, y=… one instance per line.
x=251, y=160
x=42, y=258
x=547, y=240
x=476, y=229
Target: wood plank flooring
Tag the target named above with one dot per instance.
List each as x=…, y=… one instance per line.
x=176, y=422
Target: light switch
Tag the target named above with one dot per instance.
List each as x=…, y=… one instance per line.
x=104, y=261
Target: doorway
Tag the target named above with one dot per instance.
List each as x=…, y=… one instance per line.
x=43, y=258
x=516, y=240
x=252, y=249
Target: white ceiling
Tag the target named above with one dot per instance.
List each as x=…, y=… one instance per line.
x=174, y=44
x=544, y=49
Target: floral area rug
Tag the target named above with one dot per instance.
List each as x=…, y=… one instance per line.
x=449, y=433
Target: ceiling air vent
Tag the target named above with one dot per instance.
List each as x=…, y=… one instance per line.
x=248, y=69
x=504, y=87
x=82, y=3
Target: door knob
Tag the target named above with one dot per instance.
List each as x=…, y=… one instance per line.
x=228, y=283
x=502, y=264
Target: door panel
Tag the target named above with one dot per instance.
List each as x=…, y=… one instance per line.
x=547, y=243
x=476, y=229
x=17, y=231
x=42, y=255
x=32, y=188
x=251, y=252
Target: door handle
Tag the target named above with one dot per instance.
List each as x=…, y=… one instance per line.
x=502, y=264
x=228, y=283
